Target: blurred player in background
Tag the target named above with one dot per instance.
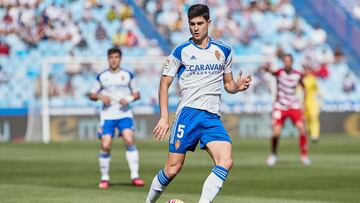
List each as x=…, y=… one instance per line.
x=116, y=89
x=202, y=65
x=311, y=103
x=287, y=105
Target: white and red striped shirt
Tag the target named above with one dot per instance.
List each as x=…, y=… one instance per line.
x=286, y=83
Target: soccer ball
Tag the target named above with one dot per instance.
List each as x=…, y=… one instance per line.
x=175, y=201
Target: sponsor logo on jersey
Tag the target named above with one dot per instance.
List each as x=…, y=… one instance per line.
x=200, y=69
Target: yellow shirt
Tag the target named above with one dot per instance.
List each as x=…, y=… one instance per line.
x=311, y=92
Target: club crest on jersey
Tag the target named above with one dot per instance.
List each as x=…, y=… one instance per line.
x=122, y=78
x=177, y=144
x=217, y=54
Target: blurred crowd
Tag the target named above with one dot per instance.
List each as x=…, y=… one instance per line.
x=268, y=27
x=33, y=21
x=31, y=30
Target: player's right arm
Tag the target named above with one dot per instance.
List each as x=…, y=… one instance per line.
x=170, y=69
x=267, y=68
x=96, y=95
x=162, y=126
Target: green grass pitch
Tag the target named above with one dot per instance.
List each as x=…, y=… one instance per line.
x=68, y=172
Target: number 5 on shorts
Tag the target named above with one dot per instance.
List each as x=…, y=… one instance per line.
x=180, y=131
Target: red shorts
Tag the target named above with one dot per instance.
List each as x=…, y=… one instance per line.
x=279, y=116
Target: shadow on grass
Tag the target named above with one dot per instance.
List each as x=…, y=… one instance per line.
x=121, y=184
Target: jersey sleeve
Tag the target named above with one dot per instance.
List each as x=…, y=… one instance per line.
x=277, y=72
x=96, y=87
x=133, y=85
x=171, y=66
x=228, y=64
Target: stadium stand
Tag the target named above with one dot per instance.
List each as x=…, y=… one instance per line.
x=32, y=30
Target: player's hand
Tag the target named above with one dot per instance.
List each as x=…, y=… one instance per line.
x=243, y=83
x=161, y=129
x=105, y=99
x=124, y=102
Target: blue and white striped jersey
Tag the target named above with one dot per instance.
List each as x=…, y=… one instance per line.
x=116, y=85
x=200, y=72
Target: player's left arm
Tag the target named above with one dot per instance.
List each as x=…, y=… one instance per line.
x=135, y=93
x=232, y=86
x=241, y=83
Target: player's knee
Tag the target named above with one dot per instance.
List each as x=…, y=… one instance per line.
x=276, y=135
x=173, y=170
x=226, y=163
x=106, y=147
x=276, y=131
x=129, y=142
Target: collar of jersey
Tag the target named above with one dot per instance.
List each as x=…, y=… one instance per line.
x=208, y=46
x=109, y=69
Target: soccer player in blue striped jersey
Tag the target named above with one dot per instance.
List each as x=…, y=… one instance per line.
x=116, y=88
x=202, y=64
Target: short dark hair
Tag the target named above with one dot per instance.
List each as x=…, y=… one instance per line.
x=197, y=10
x=114, y=50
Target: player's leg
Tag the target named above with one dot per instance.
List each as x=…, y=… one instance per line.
x=162, y=179
x=107, y=128
x=314, y=125
x=131, y=154
x=276, y=131
x=297, y=118
x=184, y=136
x=221, y=153
x=217, y=142
x=278, y=118
x=307, y=120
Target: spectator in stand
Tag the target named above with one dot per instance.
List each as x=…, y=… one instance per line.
x=41, y=28
x=285, y=23
x=268, y=49
x=131, y=39
x=4, y=48
x=8, y=24
x=154, y=49
x=52, y=12
x=111, y=14
x=87, y=14
x=322, y=71
x=318, y=36
x=349, y=83
x=74, y=32
x=82, y=43
x=69, y=89
x=100, y=32
x=125, y=12
x=299, y=42
x=3, y=76
x=53, y=89
x=338, y=55
x=356, y=11
x=286, y=8
x=118, y=38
